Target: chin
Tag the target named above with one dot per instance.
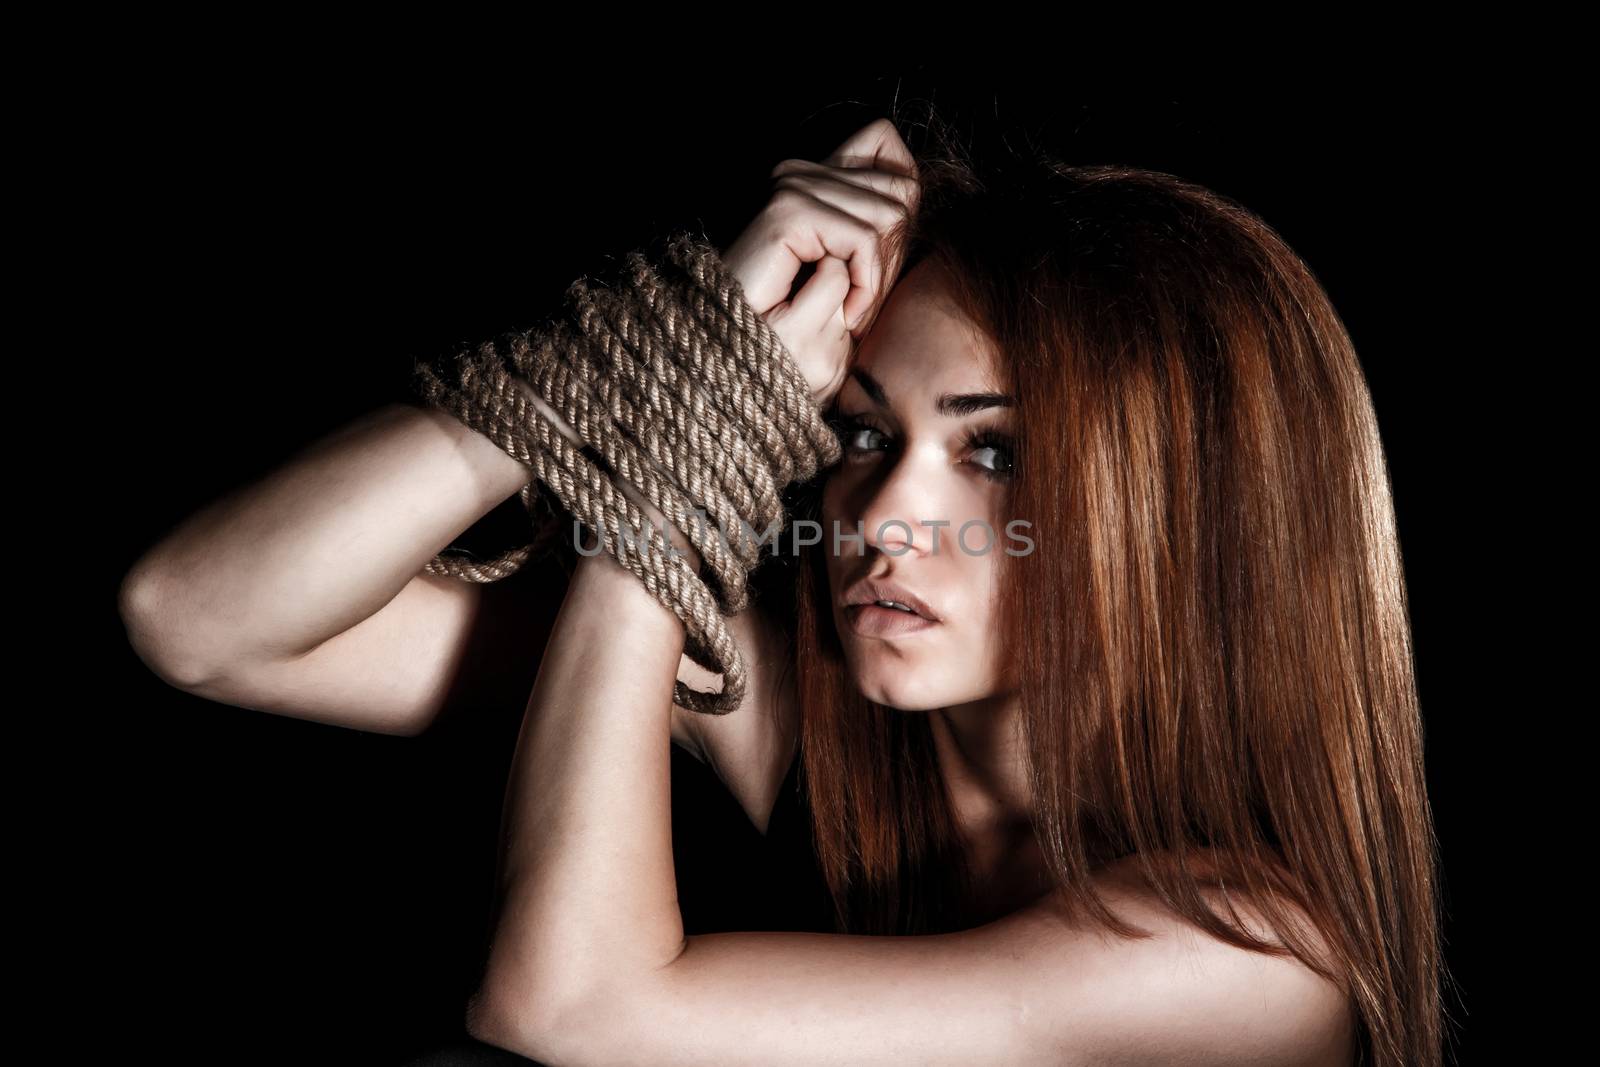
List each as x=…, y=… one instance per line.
x=895, y=692
x=903, y=678
x=901, y=704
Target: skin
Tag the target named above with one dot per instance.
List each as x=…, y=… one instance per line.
x=261, y=602
x=590, y=962
x=906, y=461
x=291, y=598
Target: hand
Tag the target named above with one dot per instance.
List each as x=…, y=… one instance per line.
x=835, y=214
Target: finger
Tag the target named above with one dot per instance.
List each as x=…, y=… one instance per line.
x=880, y=212
x=877, y=145
x=814, y=229
x=818, y=305
x=903, y=189
x=858, y=248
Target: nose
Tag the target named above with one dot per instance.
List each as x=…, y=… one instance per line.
x=896, y=509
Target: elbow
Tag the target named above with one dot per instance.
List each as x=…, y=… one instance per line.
x=144, y=605
x=510, y=1016
x=487, y=1022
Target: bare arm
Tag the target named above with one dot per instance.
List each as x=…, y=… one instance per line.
x=590, y=962
x=276, y=568
x=325, y=544
x=303, y=594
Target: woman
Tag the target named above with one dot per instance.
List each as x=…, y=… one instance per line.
x=1106, y=719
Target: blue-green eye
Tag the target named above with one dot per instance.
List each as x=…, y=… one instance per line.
x=1003, y=459
x=852, y=431
x=996, y=452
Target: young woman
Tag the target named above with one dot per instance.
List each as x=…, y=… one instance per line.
x=1098, y=684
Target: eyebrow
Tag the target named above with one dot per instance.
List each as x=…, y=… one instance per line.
x=954, y=404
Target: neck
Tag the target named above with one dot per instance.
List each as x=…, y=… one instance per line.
x=981, y=756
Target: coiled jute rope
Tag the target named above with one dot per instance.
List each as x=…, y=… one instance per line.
x=687, y=394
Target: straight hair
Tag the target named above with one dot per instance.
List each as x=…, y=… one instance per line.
x=1211, y=636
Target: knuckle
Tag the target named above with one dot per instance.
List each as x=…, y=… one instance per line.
x=786, y=199
x=885, y=128
x=784, y=210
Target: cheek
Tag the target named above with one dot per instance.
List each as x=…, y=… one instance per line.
x=971, y=654
x=958, y=499
x=834, y=490
x=830, y=519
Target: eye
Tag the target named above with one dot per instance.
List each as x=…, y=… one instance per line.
x=853, y=431
x=996, y=452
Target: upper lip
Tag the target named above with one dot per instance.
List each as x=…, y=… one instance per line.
x=872, y=590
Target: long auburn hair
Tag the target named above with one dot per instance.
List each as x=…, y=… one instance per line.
x=1211, y=634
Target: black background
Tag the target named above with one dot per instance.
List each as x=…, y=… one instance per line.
x=276, y=245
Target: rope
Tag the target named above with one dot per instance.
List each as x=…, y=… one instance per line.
x=687, y=394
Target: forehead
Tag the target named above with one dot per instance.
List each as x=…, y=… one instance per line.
x=922, y=344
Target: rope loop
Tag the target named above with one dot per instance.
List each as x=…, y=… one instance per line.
x=680, y=388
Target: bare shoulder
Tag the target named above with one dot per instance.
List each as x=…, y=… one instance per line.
x=1183, y=990
x=750, y=749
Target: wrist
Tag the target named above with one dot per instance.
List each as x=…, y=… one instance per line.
x=822, y=389
x=676, y=539
x=619, y=599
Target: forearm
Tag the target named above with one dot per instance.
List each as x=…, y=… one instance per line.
x=279, y=566
x=589, y=894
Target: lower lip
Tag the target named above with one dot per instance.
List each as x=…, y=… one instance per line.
x=869, y=620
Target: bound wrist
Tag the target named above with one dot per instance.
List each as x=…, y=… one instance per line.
x=676, y=539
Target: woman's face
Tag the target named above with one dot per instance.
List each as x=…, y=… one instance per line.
x=928, y=498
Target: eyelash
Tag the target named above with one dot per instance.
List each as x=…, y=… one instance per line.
x=847, y=425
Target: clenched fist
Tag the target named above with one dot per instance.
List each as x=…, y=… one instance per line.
x=834, y=214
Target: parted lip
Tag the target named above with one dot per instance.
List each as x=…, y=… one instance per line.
x=872, y=590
